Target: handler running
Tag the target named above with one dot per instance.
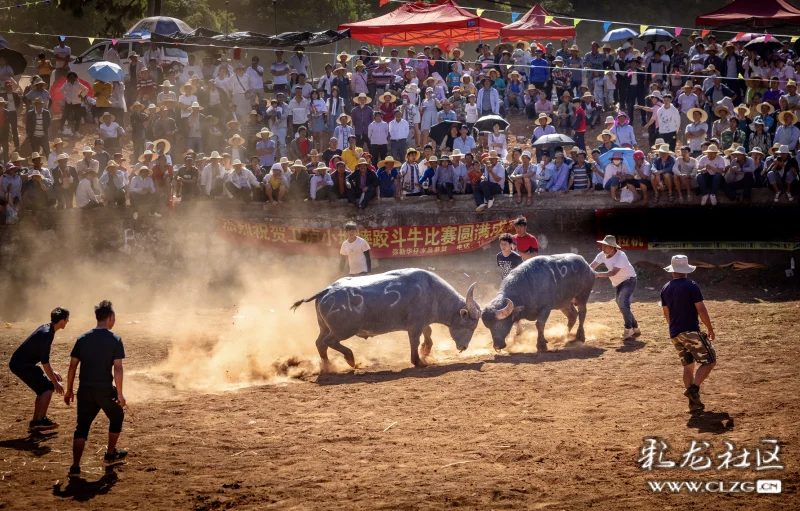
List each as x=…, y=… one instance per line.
x=623, y=278
x=97, y=351
x=682, y=302
x=42, y=380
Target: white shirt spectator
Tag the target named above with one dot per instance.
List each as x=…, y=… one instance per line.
x=244, y=180
x=669, y=119
x=299, y=110
x=255, y=78
x=141, y=185
x=157, y=54
x=611, y=170
x=618, y=260
x=85, y=194
x=239, y=84
x=301, y=64
x=688, y=168
x=190, y=71
x=112, y=130
x=355, y=255
x=316, y=179
x=61, y=54
x=686, y=102
x=211, y=172
x=73, y=91
x=398, y=130
x=378, y=133
x=717, y=164
x=279, y=67
x=186, y=100
x=696, y=143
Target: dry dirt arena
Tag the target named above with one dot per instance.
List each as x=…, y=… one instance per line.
x=226, y=411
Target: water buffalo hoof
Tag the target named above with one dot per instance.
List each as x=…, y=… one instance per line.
x=419, y=364
x=541, y=347
x=325, y=367
x=580, y=338
x=425, y=349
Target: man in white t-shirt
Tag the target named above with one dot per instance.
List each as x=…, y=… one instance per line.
x=355, y=252
x=710, y=168
x=256, y=74
x=280, y=73
x=622, y=276
x=63, y=56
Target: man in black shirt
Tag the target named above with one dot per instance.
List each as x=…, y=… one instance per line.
x=684, y=307
x=42, y=380
x=507, y=259
x=97, y=351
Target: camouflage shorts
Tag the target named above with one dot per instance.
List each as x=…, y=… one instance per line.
x=694, y=347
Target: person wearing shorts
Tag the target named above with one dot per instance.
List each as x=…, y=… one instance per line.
x=97, y=352
x=683, y=304
x=43, y=380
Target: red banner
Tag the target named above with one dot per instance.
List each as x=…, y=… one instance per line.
x=387, y=242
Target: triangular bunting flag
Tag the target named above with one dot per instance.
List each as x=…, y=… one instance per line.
x=654, y=75
x=678, y=31
x=606, y=24
x=382, y=3
x=739, y=35
x=642, y=28
x=677, y=73
x=767, y=38
x=514, y=16
x=630, y=73
x=576, y=21
x=547, y=19
x=10, y=31
x=114, y=42
x=479, y=11
x=795, y=38
x=704, y=33
x=741, y=77
x=91, y=40
x=37, y=33
x=62, y=37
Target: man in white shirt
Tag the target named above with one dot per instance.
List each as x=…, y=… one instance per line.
x=74, y=92
x=280, y=73
x=355, y=252
x=85, y=197
x=298, y=109
x=143, y=192
x=623, y=277
x=154, y=52
x=710, y=168
x=256, y=74
x=239, y=85
x=241, y=182
x=398, y=136
x=321, y=185
x=191, y=69
x=299, y=61
x=669, y=122
x=63, y=58
x=212, y=177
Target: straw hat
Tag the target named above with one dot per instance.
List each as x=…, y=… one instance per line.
x=343, y=116
x=215, y=156
x=721, y=108
x=457, y=153
x=680, y=264
x=742, y=107
x=492, y=155
x=754, y=81
x=412, y=150
x=151, y=107
x=514, y=74
x=566, y=95
x=456, y=49
x=359, y=63
x=166, y=84
x=574, y=47
x=237, y=163
x=362, y=161
x=771, y=109
x=136, y=105
x=782, y=117
x=664, y=148
x=659, y=142
x=57, y=142
x=610, y=241
x=543, y=116
x=236, y=140
x=35, y=156
x=321, y=166
x=108, y=114
x=188, y=86
x=264, y=134
x=146, y=153
x=253, y=112
x=86, y=150
x=386, y=160
x=196, y=106
x=112, y=165
x=232, y=125
x=339, y=68
x=712, y=149
x=62, y=156
x=694, y=35
x=606, y=133
x=167, y=145
x=363, y=96
x=392, y=97
x=783, y=149
x=412, y=88
x=211, y=120
x=703, y=114
x=733, y=148
x=791, y=83
x=587, y=95
x=34, y=173
x=343, y=54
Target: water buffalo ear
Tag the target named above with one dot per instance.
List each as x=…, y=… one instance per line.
x=519, y=309
x=464, y=313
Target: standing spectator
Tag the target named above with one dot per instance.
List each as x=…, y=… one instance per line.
x=37, y=125
x=280, y=73
x=539, y=71
x=164, y=127
x=579, y=124
x=669, y=122
x=696, y=130
x=63, y=58
x=362, y=116
x=399, y=132
x=241, y=87
x=343, y=132
x=488, y=99
x=12, y=102
x=65, y=182
x=355, y=252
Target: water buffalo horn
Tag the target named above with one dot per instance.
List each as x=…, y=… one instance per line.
x=505, y=311
x=472, y=307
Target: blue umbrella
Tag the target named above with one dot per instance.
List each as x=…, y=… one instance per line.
x=627, y=157
x=656, y=34
x=163, y=25
x=106, y=72
x=619, y=34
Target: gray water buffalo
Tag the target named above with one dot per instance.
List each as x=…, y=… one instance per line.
x=536, y=287
x=407, y=300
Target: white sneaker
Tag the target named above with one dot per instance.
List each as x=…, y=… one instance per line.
x=157, y=215
x=135, y=215
x=704, y=200
x=481, y=207
x=628, y=333
x=490, y=203
x=713, y=200
x=790, y=197
x=777, y=197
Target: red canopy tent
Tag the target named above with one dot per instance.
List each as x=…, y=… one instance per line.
x=752, y=13
x=532, y=26
x=418, y=23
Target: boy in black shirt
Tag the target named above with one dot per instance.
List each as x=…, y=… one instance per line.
x=507, y=259
x=683, y=304
x=42, y=380
x=97, y=351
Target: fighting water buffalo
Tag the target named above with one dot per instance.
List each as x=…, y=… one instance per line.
x=401, y=300
x=536, y=287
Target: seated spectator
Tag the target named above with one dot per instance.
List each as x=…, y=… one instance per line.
x=188, y=178
x=143, y=192
x=522, y=177
x=241, y=182
x=341, y=184
x=614, y=175
x=492, y=182
x=782, y=173
x=580, y=174
x=298, y=181
x=114, y=184
x=542, y=128
x=35, y=192
x=212, y=176
x=85, y=196
x=739, y=177
x=276, y=185
x=662, y=170
x=65, y=182
x=110, y=132
x=709, y=174
x=560, y=179
x=459, y=171
x=443, y=182
x=321, y=184
x=684, y=171
x=364, y=185
x=388, y=175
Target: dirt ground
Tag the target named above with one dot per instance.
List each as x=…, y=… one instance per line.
x=226, y=411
